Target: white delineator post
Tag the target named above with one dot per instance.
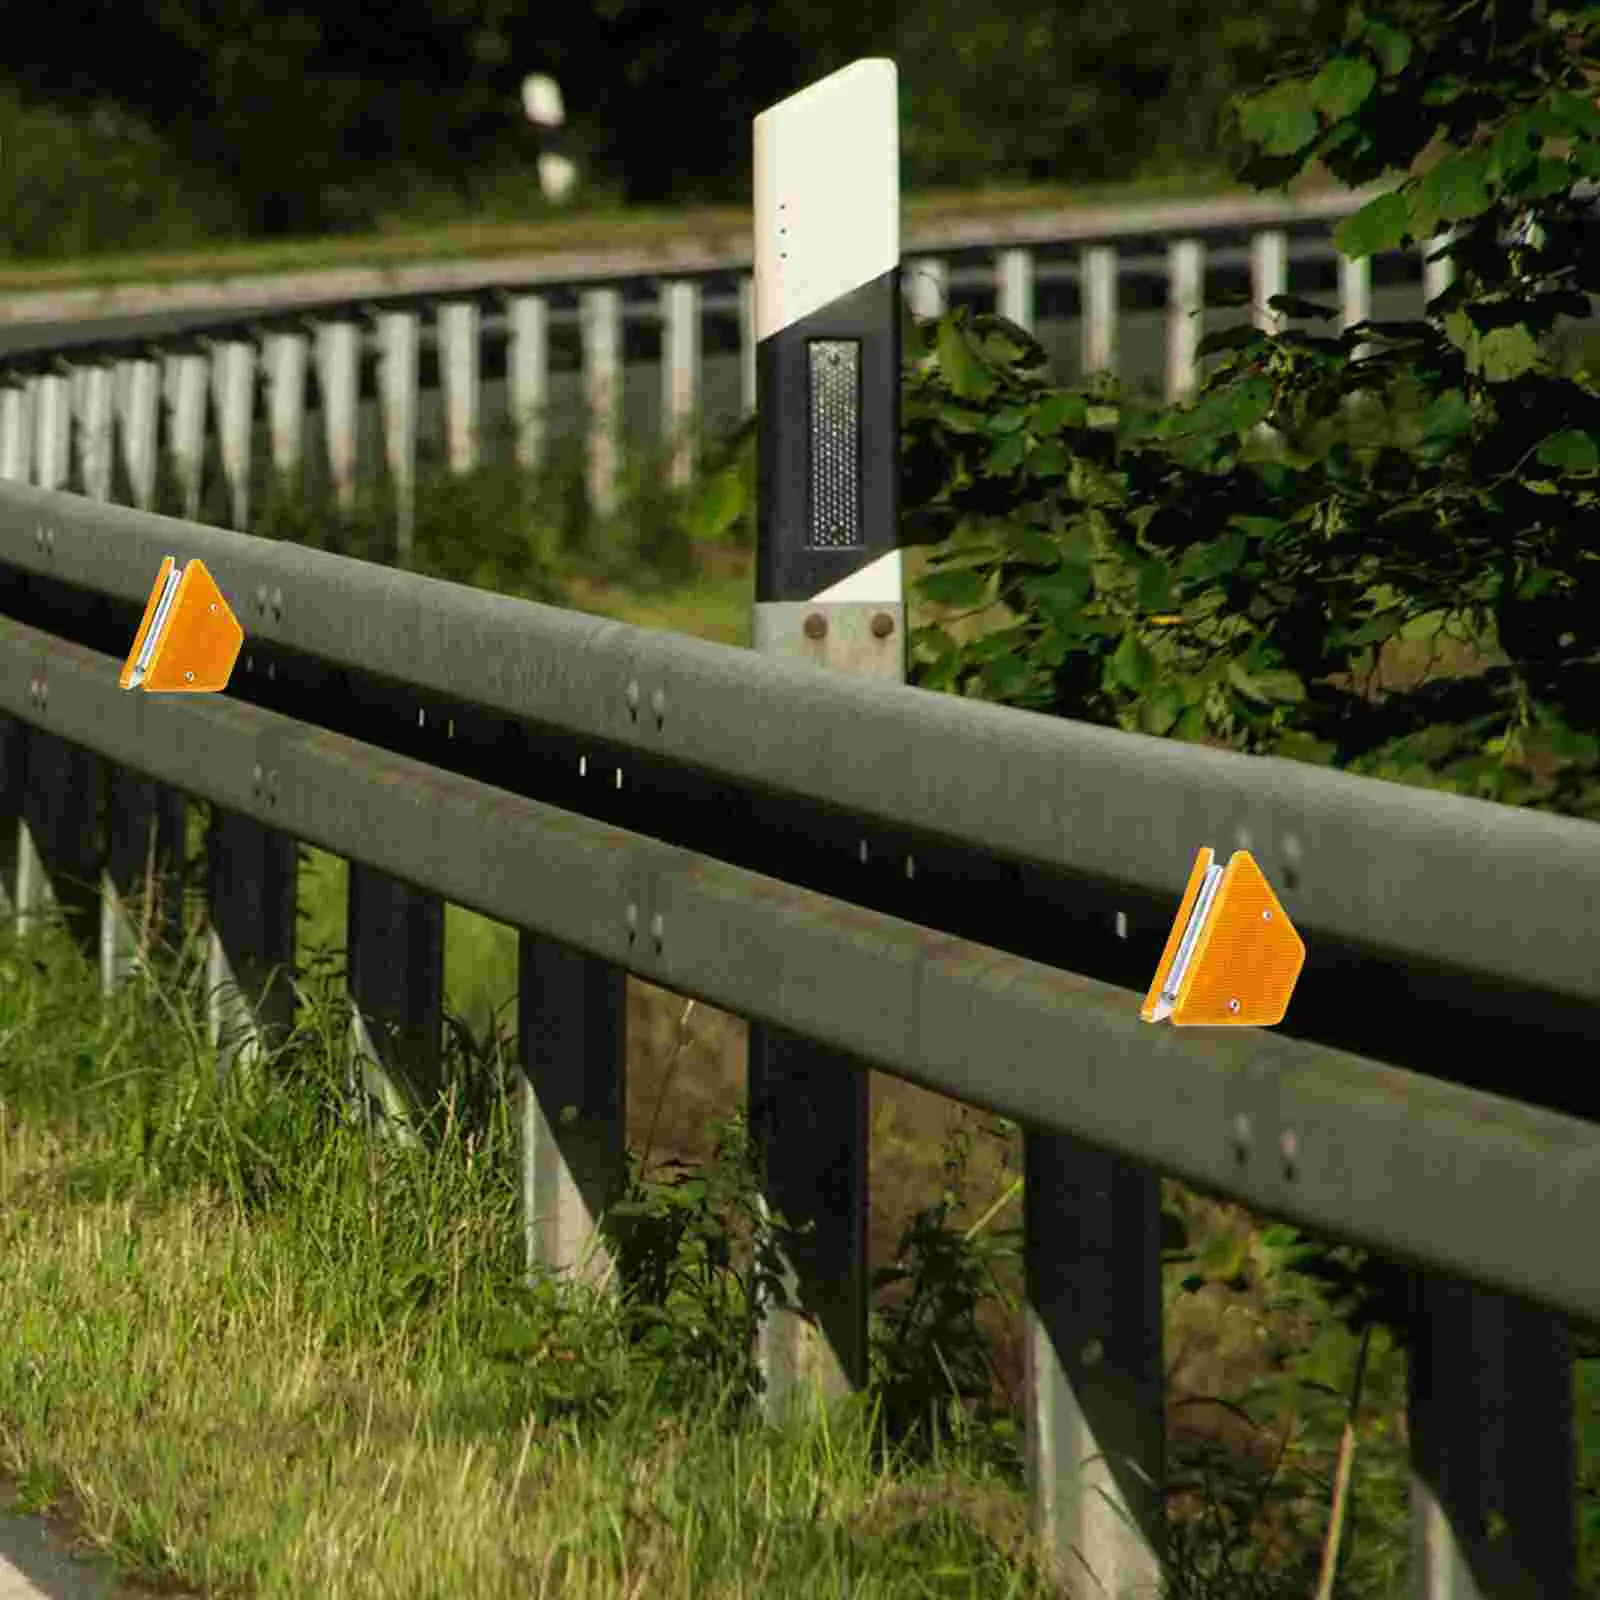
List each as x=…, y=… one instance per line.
x=829, y=591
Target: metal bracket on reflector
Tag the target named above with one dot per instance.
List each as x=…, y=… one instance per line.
x=1232, y=956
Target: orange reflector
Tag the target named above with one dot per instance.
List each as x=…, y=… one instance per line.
x=1232, y=956
x=189, y=638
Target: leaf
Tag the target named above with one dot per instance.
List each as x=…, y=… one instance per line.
x=1448, y=417
x=1381, y=224
x=1341, y=87
x=1390, y=45
x=1453, y=188
x=1007, y=420
x=1007, y=454
x=1161, y=711
x=1281, y=686
x=1572, y=450
x=1245, y=683
x=1154, y=592
x=967, y=376
x=1236, y=338
x=964, y=587
x=1295, y=305
x=1130, y=665
x=1548, y=177
x=719, y=506
x=1048, y=461
x=1058, y=411
x=1505, y=353
x=1576, y=111
x=1192, y=725
x=1282, y=120
x=1246, y=404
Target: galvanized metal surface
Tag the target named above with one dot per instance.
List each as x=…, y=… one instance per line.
x=1474, y=1184
x=1406, y=872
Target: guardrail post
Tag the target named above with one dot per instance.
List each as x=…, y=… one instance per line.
x=1095, y=1407
x=1014, y=286
x=250, y=895
x=1489, y=1416
x=1186, y=284
x=528, y=375
x=1097, y=270
x=399, y=336
x=394, y=943
x=571, y=1042
x=829, y=590
x=54, y=461
x=58, y=845
x=1355, y=294
x=16, y=432
x=928, y=286
x=600, y=327
x=747, y=345
x=96, y=430
x=139, y=401
x=185, y=380
x=1269, y=276
x=287, y=357
x=680, y=373
x=233, y=379
x=143, y=874
x=1438, y=272
x=339, y=375
x=459, y=377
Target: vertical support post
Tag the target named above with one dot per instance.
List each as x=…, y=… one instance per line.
x=140, y=400
x=1095, y=1407
x=1014, y=286
x=528, y=376
x=1269, y=276
x=1185, y=302
x=600, y=327
x=394, y=940
x=571, y=1041
x=16, y=433
x=13, y=784
x=339, y=373
x=58, y=845
x=1438, y=272
x=747, y=345
x=287, y=357
x=1355, y=291
x=680, y=373
x=54, y=460
x=250, y=892
x=1098, y=308
x=829, y=589
x=141, y=889
x=928, y=286
x=233, y=377
x=399, y=340
x=1489, y=1415
x=186, y=397
x=458, y=374
x=96, y=431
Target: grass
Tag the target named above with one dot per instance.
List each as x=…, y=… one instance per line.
x=590, y=230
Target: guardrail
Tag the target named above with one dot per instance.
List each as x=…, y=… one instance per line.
x=547, y=769
x=847, y=861
x=522, y=349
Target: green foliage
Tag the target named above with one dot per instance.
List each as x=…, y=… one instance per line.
x=1251, y=568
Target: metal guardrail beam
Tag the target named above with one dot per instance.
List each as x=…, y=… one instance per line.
x=730, y=250
x=1467, y=1182
x=1430, y=878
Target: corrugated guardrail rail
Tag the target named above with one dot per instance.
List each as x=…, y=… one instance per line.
x=964, y=895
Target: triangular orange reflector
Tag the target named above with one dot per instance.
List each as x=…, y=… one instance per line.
x=189, y=638
x=1232, y=956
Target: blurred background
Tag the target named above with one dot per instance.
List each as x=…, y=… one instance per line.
x=175, y=123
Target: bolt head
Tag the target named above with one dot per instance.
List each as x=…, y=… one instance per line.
x=882, y=625
x=815, y=626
